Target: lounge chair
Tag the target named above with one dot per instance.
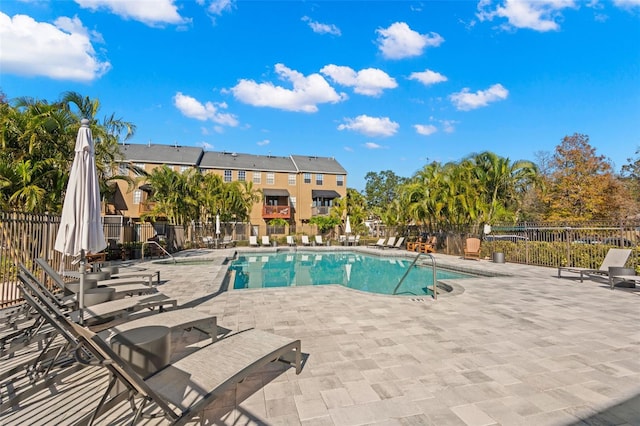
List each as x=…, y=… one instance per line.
x=291, y=240
x=319, y=240
x=380, y=243
x=173, y=319
x=208, y=241
x=614, y=257
x=399, y=243
x=227, y=241
x=305, y=240
x=183, y=389
x=390, y=242
x=253, y=241
x=121, y=288
x=265, y=240
x=104, y=311
x=472, y=248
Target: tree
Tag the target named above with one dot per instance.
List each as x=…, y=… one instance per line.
x=353, y=205
x=581, y=185
x=381, y=189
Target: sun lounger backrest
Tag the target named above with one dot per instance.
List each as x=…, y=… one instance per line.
x=319, y=239
x=41, y=287
x=615, y=257
x=41, y=304
x=51, y=272
x=305, y=240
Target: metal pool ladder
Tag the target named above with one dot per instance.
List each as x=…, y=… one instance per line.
x=433, y=268
x=161, y=248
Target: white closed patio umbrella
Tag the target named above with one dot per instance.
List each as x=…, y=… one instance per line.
x=80, y=228
x=217, y=229
x=347, y=228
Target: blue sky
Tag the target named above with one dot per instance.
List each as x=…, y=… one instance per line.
x=377, y=85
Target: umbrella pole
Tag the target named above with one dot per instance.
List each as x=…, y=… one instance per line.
x=83, y=260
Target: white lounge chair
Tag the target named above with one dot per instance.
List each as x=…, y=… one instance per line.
x=399, y=243
x=614, y=257
x=227, y=240
x=390, y=242
x=319, y=240
x=265, y=240
x=305, y=240
x=380, y=243
x=291, y=240
x=253, y=241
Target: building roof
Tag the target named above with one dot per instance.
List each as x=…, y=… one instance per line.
x=162, y=154
x=194, y=156
x=236, y=161
x=312, y=164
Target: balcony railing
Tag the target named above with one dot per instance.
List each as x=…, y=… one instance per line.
x=146, y=206
x=320, y=210
x=276, y=212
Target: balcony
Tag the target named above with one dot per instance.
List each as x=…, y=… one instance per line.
x=146, y=207
x=276, y=212
x=320, y=210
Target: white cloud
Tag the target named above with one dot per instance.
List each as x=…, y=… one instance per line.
x=465, y=100
x=369, y=81
x=399, y=41
x=307, y=93
x=370, y=126
x=348, y=149
x=192, y=108
x=372, y=145
x=538, y=15
x=428, y=77
x=627, y=4
x=425, y=129
x=150, y=13
x=263, y=142
x=448, y=126
x=319, y=28
x=62, y=51
x=218, y=7
x=205, y=145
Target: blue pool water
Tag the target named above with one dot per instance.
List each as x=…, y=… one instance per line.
x=354, y=270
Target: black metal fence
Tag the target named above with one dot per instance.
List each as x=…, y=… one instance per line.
x=24, y=237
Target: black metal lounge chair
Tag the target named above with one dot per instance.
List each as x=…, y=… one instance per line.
x=184, y=388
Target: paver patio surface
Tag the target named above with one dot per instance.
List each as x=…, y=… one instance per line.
x=524, y=348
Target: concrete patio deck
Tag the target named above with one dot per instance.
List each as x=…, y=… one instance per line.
x=524, y=348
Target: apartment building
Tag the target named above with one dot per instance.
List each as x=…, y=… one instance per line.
x=294, y=188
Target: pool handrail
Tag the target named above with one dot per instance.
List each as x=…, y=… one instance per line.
x=433, y=267
x=161, y=248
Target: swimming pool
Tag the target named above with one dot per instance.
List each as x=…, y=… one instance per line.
x=374, y=274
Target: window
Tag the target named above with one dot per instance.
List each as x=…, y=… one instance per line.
x=257, y=177
x=139, y=166
x=242, y=175
x=307, y=178
x=227, y=175
x=137, y=196
x=292, y=179
x=123, y=169
x=319, y=178
x=292, y=201
x=271, y=178
x=340, y=180
x=184, y=169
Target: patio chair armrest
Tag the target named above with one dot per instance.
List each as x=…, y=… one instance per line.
x=80, y=354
